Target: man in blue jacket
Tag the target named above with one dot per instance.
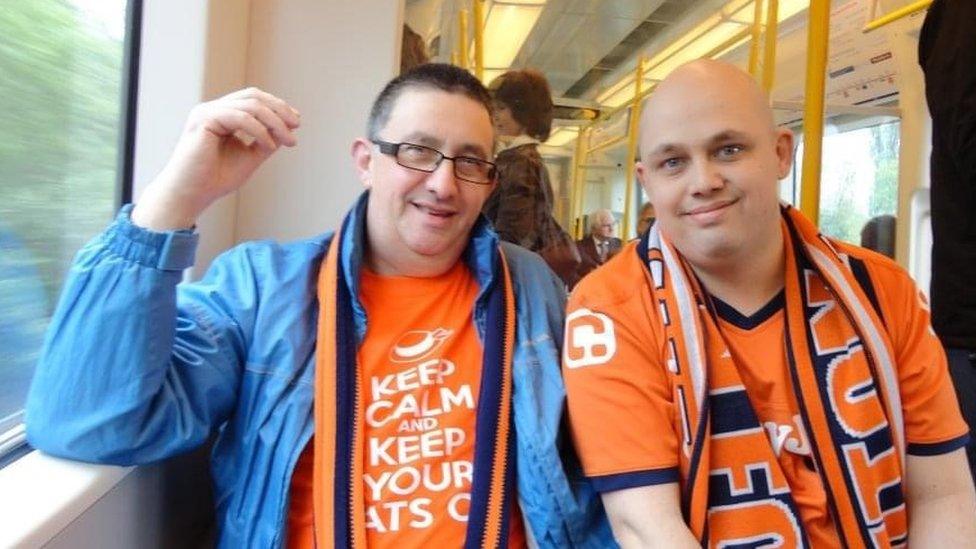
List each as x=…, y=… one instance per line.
x=393, y=383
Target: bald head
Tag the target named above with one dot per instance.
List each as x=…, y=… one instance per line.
x=704, y=82
x=711, y=159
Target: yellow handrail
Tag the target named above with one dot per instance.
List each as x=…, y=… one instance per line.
x=479, y=49
x=769, y=47
x=813, y=115
x=632, y=132
x=754, y=44
x=579, y=183
x=897, y=14
x=463, y=38
x=606, y=144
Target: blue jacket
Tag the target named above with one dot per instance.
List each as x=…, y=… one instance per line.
x=137, y=368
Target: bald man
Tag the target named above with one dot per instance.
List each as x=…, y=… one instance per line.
x=734, y=378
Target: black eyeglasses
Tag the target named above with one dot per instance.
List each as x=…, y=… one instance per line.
x=426, y=159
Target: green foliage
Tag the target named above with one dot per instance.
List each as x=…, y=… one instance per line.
x=60, y=84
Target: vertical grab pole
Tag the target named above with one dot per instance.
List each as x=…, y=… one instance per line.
x=813, y=115
x=754, y=43
x=632, y=132
x=769, y=46
x=578, y=183
x=463, y=38
x=479, y=32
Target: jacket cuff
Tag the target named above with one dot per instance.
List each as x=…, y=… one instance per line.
x=166, y=251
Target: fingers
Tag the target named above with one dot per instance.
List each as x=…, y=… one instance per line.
x=289, y=115
x=279, y=128
x=231, y=121
x=252, y=115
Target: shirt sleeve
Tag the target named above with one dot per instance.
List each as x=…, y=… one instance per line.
x=620, y=398
x=933, y=422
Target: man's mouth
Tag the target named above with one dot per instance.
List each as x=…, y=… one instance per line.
x=434, y=210
x=713, y=207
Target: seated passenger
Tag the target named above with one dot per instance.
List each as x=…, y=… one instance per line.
x=600, y=244
x=878, y=234
x=645, y=219
x=735, y=378
x=393, y=384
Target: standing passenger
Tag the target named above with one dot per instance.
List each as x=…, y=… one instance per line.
x=521, y=208
x=948, y=58
x=736, y=378
x=420, y=352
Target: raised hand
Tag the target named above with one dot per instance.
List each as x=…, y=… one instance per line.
x=223, y=142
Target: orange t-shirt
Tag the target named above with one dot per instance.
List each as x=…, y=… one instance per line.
x=620, y=395
x=420, y=373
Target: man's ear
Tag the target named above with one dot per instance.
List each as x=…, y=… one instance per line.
x=642, y=177
x=362, y=156
x=784, y=152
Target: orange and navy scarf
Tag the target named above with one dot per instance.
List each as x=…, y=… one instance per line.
x=841, y=364
x=338, y=499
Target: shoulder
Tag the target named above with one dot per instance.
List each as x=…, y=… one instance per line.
x=527, y=267
x=619, y=280
x=896, y=292
x=271, y=259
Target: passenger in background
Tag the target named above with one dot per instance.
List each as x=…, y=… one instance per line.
x=413, y=52
x=878, y=234
x=521, y=208
x=645, y=219
x=947, y=53
x=420, y=352
x=600, y=244
x=736, y=379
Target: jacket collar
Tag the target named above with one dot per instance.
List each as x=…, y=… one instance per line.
x=480, y=255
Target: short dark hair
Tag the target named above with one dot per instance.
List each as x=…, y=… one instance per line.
x=526, y=93
x=438, y=76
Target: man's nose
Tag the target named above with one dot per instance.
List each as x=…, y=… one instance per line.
x=442, y=181
x=707, y=178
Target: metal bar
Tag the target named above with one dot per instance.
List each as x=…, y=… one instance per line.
x=632, y=132
x=578, y=183
x=755, y=31
x=769, y=47
x=733, y=40
x=813, y=116
x=463, y=38
x=606, y=144
x=840, y=109
x=897, y=14
x=479, y=35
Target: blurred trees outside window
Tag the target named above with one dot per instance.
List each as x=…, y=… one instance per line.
x=60, y=79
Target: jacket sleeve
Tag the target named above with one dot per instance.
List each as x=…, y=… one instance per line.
x=134, y=368
x=558, y=502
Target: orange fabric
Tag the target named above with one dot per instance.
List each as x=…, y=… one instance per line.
x=621, y=394
x=420, y=369
x=761, y=352
x=323, y=475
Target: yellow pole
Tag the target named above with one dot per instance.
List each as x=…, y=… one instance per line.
x=479, y=30
x=897, y=14
x=813, y=115
x=769, y=47
x=579, y=182
x=463, y=38
x=632, y=132
x=754, y=45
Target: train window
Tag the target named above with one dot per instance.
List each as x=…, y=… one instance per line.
x=859, y=182
x=64, y=68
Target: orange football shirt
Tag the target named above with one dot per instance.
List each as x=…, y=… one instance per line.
x=620, y=396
